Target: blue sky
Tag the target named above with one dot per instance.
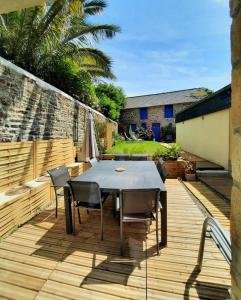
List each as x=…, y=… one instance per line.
x=168, y=45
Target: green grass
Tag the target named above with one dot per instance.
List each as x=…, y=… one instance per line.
x=143, y=147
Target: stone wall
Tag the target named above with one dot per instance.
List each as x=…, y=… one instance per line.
x=236, y=149
x=155, y=115
x=31, y=109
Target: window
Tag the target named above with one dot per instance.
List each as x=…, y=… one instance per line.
x=143, y=113
x=168, y=111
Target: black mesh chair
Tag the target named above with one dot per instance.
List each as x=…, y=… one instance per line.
x=60, y=177
x=162, y=169
x=139, y=157
x=122, y=157
x=138, y=206
x=87, y=195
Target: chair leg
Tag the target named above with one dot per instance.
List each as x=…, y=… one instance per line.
x=73, y=218
x=157, y=233
x=87, y=211
x=56, y=206
x=101, y=222
x=79, y=215
x=121, y=237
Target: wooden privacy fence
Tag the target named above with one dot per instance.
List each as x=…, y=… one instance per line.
x=23, y=161
x=16, y=164
x=50, y=154
x=22, y=195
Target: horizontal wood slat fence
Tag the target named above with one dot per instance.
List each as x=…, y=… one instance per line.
x=50, y=154
x=16, y=164
x=23, y=161
x=21, y=195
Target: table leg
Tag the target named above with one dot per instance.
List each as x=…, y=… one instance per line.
x=163, y=199
x=68, y=211
x=121, y=226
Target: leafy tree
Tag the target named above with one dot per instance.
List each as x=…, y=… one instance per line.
x=57, y=37
x=111, y=100
x=73, y=81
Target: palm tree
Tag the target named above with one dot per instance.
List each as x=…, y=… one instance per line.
x=39, y=38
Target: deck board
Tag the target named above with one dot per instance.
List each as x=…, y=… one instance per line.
x=221, y=183
x=215, y=205
x=39, y=261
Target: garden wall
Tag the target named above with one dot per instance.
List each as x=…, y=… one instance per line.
x=31, y=109
x=207, y=136
x=38, y=124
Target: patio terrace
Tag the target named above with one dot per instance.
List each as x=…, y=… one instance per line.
x=40, y=261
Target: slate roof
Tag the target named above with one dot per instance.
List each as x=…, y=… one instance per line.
x=182, y=96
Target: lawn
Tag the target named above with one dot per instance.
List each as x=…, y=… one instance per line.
x=145, y=147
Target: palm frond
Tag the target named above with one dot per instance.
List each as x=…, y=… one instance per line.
x=95, y=31
x=43, y=37
x=94, y=7
x=96, y=72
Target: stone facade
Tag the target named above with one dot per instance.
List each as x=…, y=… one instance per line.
x=236, y=149
x=31, y=109
x=155, y=115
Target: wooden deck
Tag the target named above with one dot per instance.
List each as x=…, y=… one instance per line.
x=216, y=206
x=221, y=183
x=39, y=261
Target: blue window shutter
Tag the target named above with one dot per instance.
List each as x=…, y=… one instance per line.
x=168, y=111
x=143, y=113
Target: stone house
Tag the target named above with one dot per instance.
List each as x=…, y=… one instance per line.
x=158, y=110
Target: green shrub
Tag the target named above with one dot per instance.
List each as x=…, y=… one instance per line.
x=111, y=100
x=172, y=153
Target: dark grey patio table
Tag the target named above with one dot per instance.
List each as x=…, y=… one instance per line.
x=137, y=175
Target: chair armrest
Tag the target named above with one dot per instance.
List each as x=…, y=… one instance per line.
x=58, y=186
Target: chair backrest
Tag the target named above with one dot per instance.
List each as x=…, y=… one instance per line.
x=162, y=169
x=59, y=176
x=139, y=157
x=139, y=201
x=122, y=157
x=85, y=193
x=93, y=161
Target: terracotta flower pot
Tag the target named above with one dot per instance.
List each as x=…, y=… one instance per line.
x=175, y=168
x=190, y=176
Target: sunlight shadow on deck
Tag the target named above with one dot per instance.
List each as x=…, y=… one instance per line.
x=40, y=256
x=193, y=281
x=58, y=246
x=215, y=205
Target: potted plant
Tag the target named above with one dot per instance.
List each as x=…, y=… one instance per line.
x=190, y=171
x=173, y=162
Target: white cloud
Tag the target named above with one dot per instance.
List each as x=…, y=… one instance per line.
x=153, y=71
